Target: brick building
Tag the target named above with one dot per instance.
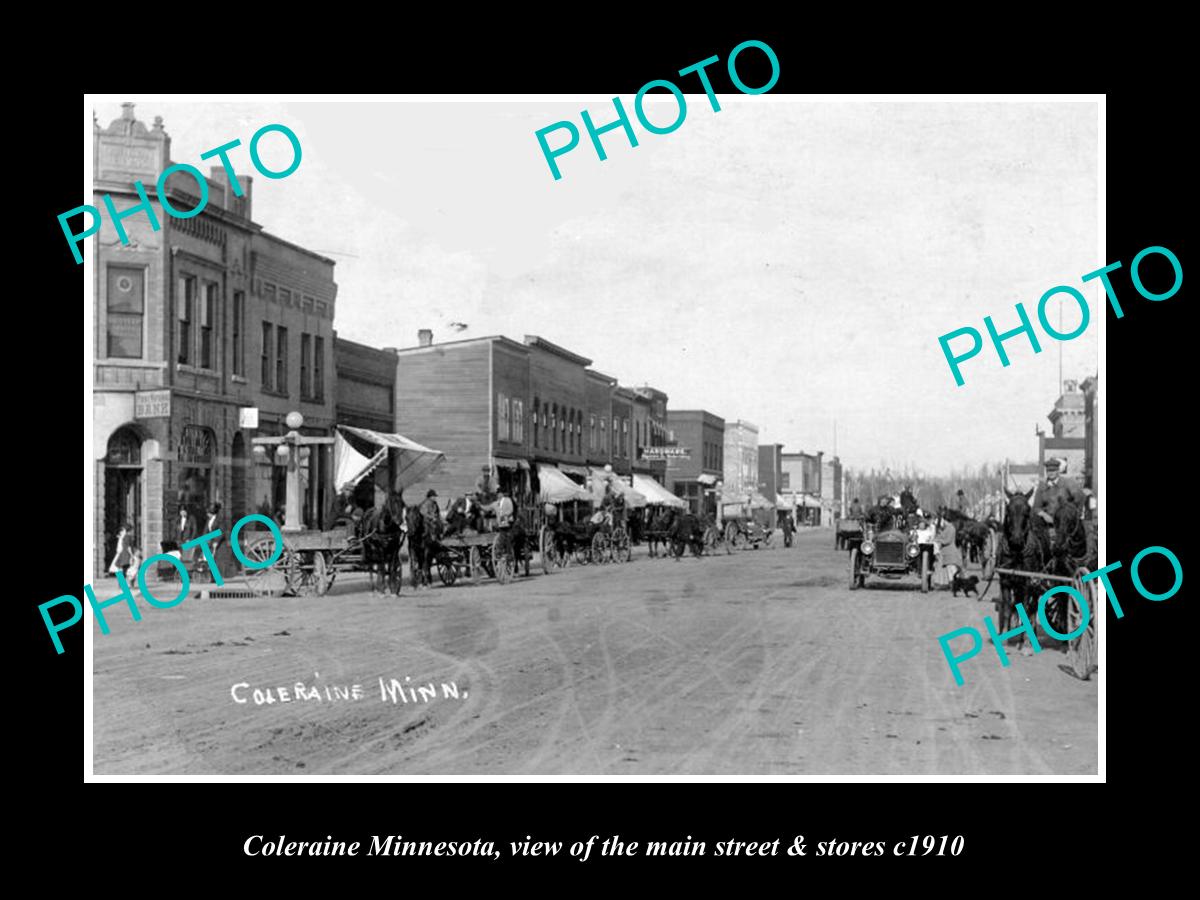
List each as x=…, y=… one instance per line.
x=800, y=484
x=693, y=476
x=208, y=332
x=650, y=432
x=770, y=470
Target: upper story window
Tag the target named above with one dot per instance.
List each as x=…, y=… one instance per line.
x=518, y=421
x=126, y=311
x=185, y=305
x=208, y=314
x=305, y=366
x=268, y=344
x=281, y=359
x=318, y=372
x=237, y=333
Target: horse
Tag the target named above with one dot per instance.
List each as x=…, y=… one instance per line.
x=381, y=531
x=423, y=536
x=686, y=531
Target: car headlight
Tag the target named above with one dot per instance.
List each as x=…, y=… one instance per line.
x=913, y=549
x=867, y=548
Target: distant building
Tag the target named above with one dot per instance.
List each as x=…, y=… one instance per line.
x=741, y=460
x=650, y=432
x=801, y=484
x=1091, y=475
x=833, y=504
x=1067, y=440
x=694, y=477
x=770, y=470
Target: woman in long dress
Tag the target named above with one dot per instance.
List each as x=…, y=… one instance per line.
x=949, y=559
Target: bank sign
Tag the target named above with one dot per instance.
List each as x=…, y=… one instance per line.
x=152, y=405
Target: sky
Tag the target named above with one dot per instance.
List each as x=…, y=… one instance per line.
x=785, y=262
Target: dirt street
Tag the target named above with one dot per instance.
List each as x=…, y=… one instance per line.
x=759, y=663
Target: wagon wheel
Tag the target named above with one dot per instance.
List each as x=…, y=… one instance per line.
x=1082, y=650
x=447, y=570
x=293, y=573
x=546, y=550
x=1058, y=611
x=475, y=564
x=854, y=569
x=600, y=547
x=989, y=557
x=321, y=577
x=622, y=548
x=734, y=536
x=502, y=558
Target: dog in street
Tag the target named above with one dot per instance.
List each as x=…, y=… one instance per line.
x=964, y=583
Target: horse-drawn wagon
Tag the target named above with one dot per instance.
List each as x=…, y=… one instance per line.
x=362, y=540
x=1035, y=557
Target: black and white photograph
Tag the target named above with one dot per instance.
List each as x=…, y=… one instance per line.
x=520, y=437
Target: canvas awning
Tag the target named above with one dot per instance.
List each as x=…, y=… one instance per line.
x=414, y=462
x=655, y=493
x=705, y=478
x=573, y=470
x=634, y=499
x=512, y=464
x=555, y=487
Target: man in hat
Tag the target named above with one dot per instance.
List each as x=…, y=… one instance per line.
x=485, y=486
x=960, y=501
x=1054, y=491
x=431, y=513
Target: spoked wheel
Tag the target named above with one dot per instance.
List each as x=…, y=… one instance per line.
x=271, y=578
x=502, y=558
x=1083, y=651
x=1058, y=612
x=447, y=570
x=293, y=574
x=546, y=549
x=321, y=579
x=622, y=548
x=600, y=547
x=854, y=569
x=475, y=564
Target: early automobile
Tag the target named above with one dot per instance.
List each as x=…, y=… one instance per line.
x=891, y=550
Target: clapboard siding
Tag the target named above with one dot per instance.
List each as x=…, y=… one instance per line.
x=442, y=402
x=510, y=367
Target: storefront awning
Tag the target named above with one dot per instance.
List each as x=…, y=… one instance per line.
x=655, y=493
x=633, y=498
x=705, y=478
x=555, y=487
x=573, y=470
x=512, y=464
x=414, y=461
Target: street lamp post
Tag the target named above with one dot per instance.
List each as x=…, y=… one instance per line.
x=290, y=445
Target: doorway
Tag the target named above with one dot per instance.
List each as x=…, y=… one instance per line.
x=122, y=490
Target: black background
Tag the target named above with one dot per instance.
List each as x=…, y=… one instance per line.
x=1012, y=828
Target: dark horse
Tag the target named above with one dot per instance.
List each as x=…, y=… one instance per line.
x=1027, y=543
x=970, y=536
x=382, y=533
x=424, y=536
x=659, y=531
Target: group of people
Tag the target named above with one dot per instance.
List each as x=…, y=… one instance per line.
x=127, y=555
